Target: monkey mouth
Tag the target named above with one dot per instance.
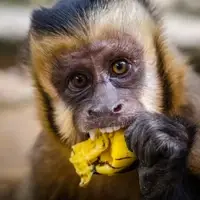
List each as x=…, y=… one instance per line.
x=92, y=133
x=107, y=126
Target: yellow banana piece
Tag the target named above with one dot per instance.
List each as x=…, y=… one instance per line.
x=115, y=158
x=107, y=155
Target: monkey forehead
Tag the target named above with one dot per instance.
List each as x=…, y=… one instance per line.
x=107, y=41
x=123, y=44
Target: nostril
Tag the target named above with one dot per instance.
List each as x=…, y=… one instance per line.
x=90, y=112
x=117, y=108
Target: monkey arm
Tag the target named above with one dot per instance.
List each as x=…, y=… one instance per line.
x=162, y=146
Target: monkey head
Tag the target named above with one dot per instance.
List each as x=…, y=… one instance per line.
x=97, y=63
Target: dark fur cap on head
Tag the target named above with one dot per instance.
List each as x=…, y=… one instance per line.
x=66, y=15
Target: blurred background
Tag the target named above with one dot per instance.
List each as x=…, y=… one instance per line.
x=18, y=120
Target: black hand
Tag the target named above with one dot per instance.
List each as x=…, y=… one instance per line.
x=161, y=145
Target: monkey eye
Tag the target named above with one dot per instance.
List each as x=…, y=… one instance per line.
x=120, y=67
x=78, y=81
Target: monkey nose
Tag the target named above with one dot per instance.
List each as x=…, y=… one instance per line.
x=117, y=108
x=104, y=110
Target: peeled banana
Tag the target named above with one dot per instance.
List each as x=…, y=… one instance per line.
x=107, y=155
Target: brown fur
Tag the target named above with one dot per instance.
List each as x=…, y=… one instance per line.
x=176, y=69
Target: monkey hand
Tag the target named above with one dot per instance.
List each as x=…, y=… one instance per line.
x=161, y=144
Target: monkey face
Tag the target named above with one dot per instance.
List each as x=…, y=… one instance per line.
x=102, y=83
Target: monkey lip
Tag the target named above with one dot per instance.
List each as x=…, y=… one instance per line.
x=108, y=126
x=92, y=133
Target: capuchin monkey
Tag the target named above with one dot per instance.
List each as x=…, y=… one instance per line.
x=107, y=64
